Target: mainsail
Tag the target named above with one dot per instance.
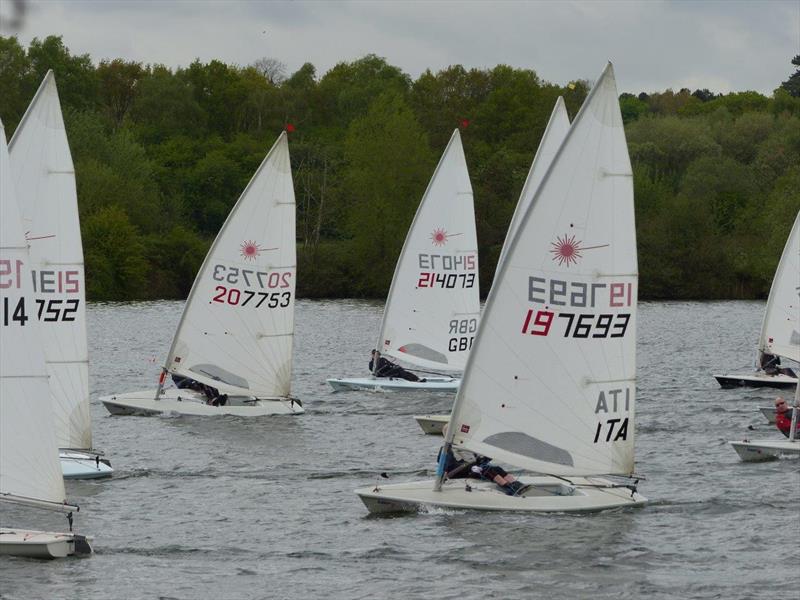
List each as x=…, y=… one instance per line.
x=780, y=330
x=44, y=180
x=237, y=328
x=29, y=466
x=551, y=381
x=433, y=308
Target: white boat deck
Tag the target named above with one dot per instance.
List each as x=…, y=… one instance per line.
x=760, y=450
x=187, y=402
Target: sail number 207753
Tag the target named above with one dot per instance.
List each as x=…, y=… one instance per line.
x=265, y=280
x=237, y=297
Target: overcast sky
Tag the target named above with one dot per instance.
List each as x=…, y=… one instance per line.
x=732, y=45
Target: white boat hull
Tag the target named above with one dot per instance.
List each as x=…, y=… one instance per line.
x=431, y=384
x=42, y=544
x=544, y=494
x=432, y=424
x=758, y=450
x=756, y=380
x=78, y=464
x=187, y=402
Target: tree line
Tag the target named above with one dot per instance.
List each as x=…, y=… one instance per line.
x=162, y=154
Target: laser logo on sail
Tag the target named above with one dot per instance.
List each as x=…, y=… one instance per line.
x=567, y=250
x=439, y=236
x=250, y=250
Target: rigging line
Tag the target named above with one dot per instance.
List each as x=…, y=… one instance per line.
x=431, y=373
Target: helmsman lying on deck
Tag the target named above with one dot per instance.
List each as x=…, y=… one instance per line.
x=771, y=365
x=385, y=368
x=214, y=398
x=462, y=464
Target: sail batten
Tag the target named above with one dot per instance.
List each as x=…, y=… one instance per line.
x=40, y=159
x=432, y=311
x=550, y=383
x=237, y=328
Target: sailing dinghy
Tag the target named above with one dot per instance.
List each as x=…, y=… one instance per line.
x=44, y=179
x=780, y=329
x=550, y=384
x=29, y=471
x=433, y=307
x=233, y=346
x=554, y=134
x=759, y=450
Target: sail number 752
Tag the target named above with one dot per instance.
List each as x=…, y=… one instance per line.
x=576, y=325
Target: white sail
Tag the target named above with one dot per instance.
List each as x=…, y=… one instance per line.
x=29, y=467
x=237, y=328
x=550, y=383
x=554, y=134
x=44, y=180
x=780, y=331
x=433, y=308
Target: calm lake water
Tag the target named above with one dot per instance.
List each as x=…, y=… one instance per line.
x=264, y=508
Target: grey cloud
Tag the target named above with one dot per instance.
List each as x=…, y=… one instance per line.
x=655, y=45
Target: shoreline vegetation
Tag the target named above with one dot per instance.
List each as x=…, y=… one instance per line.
x=161, y=155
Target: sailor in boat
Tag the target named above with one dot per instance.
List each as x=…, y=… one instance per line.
x=213, y=397
x=783, y=416
x=463, y=464
x=389, y=369
x=771, y=365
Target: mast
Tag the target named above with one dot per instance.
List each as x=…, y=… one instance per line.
x=795, y=411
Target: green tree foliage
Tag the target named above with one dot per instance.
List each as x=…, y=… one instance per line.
x=118, y=80
x=792, y=85
x=116, y=268
x=165, y=106
x=631, y=107
x=161, y=155
x=17, y=80
x=388, y=167
x=77, y=77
